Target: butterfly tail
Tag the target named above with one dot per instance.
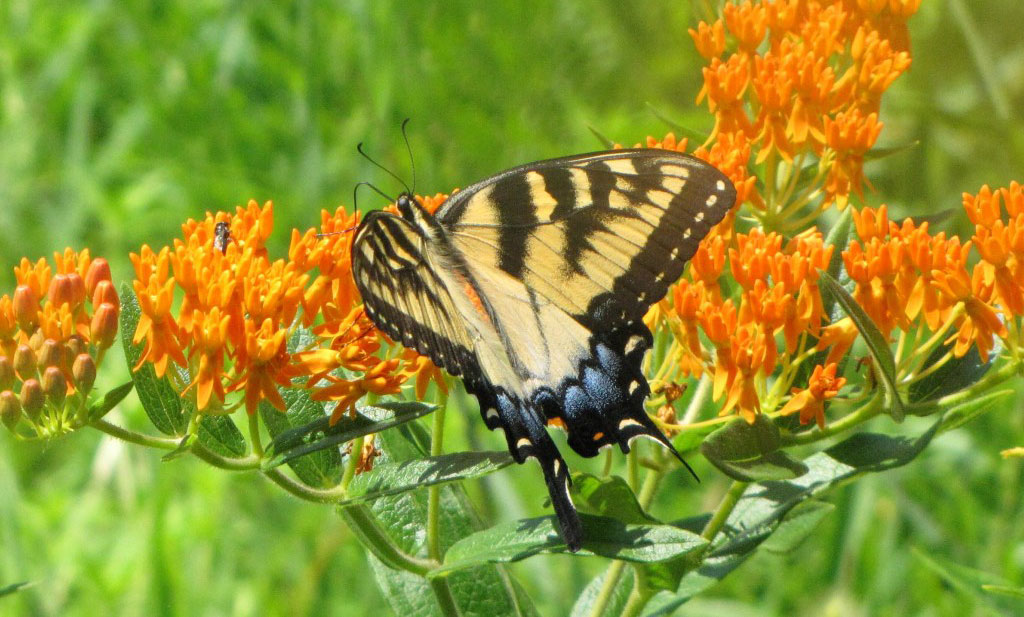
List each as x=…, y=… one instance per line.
x=527, y=438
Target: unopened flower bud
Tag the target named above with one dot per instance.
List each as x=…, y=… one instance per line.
x=83, y=373
x=61, y=291
x=25, y=361
x=32, y=398
x=105, y=292
x=104, y=325
x=6, y=373
x=55, y=386
x=74, y=346
x=50, y=353
x=77, y=289
x=10, y=409
x=99, y=270
x=26, y=307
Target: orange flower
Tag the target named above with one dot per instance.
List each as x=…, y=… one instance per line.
x=267, y=366
x=979, y=324
x=810, y=402
x=424, y=371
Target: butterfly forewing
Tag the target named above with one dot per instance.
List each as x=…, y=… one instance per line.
x=531, y=285
x=596, y=231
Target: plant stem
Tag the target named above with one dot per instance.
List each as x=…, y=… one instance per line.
x=604, y=596
x=304, y=491
x=434, y=492
x=725, y=508
x=865, y=413
x=353, y=461
x=365, y=526
x=641, y=594
x=444, y=596
x=164, y=443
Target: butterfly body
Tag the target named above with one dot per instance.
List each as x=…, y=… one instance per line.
x=531, y=286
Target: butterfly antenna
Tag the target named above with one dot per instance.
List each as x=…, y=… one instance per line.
x=381, y=167
x=408, y=148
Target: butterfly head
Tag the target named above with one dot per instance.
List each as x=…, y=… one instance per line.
x=408, y=207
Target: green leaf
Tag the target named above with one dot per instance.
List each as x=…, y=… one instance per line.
x=99, y=408
x=1016, y=592
x=161, y=401
x=484, y=590
x=750, y=452
x=220, y=435
x=798, y=524
x=954, y=375
x=608, y=497
x=293, y=443
x=765, y=507
x=399, y=477
x=322, y=468
x=7, y=590
x=608, y=537
x=607, y=143
x=877, y=344
x=970, y=581
x=184, y=447
x=875, y=154
x=969, y=410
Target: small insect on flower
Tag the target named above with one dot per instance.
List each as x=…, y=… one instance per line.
x=221, y=236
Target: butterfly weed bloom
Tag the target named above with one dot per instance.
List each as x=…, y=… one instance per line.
x=54, y=332
x=801, y=89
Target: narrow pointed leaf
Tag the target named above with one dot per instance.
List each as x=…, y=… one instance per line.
x=7, y=590
x=110, y=400
x=969, y=410
x=399, y=477
x=322, y=468
x=162, y=403
x=875, y=340
x=293, y=443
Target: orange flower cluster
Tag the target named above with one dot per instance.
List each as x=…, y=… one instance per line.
x=778, y=298
x=806, y=78
x=902, y=271
x=238, y=309
x=54, y=332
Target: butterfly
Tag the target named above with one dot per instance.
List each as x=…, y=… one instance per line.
x=532, y=284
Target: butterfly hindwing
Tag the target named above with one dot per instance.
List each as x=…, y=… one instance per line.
x=532, y=284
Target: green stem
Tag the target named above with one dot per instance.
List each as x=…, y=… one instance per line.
x=245, y=463
x=641, y=594
x=366, y=528
x=866, y=412
x=444, y=596
x=254, y=435
x=725, y=508
x=150, y=441
x=1003, y=373
x=633, y=469
x=604, y=596
x=304, y=491
x=434, y=492
x=353, y=461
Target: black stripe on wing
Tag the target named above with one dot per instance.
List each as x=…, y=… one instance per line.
x=404, y=297
x=602, y=235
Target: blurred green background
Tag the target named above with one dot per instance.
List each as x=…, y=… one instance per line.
x=119, y=120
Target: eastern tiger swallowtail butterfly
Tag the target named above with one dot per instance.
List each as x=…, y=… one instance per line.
x=531, y=285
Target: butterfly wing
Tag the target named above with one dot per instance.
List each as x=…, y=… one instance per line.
x=531, y=285
x=417, y=290
x=600, y=237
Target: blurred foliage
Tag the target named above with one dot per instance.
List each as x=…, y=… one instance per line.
x=119, y=120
